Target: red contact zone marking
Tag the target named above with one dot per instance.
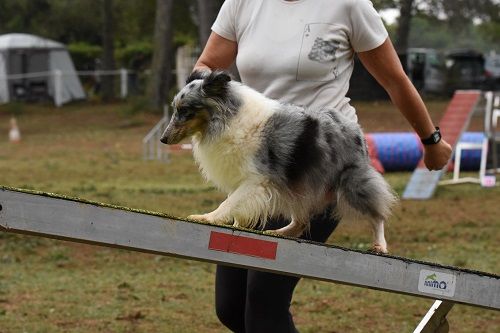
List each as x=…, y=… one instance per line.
x=242, y=245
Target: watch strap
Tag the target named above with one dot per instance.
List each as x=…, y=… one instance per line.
x=433, y=138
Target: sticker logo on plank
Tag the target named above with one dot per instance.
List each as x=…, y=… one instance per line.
x=247, y=246
x=437, y=283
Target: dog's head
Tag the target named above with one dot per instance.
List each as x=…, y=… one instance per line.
x=199, y=106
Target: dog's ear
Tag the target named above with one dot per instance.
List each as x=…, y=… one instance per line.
x=197, y=74
x=216, y=83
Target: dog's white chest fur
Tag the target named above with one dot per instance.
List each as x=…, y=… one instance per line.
x=228, y=160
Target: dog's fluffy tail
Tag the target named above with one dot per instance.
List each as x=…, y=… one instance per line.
x=365, y=191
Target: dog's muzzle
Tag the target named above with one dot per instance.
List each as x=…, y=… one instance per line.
x=173, y=134
x=164, y=140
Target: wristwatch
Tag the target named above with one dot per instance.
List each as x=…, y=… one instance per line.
x=433, y=139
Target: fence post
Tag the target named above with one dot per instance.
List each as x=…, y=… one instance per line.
x=124, y=82
x=58, y=98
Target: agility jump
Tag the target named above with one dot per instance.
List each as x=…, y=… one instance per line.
x=76, y=220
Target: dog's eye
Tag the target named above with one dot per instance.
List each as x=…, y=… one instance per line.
x=186, y=110
x=186, y=113
x=190, y=109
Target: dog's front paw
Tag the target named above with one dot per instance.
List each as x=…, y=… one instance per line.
x=208, y=218
x=201, y=218
x=272, y=233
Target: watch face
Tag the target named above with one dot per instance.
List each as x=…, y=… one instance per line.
x=434, y=138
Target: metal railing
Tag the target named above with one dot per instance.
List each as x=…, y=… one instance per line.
x=152, y=148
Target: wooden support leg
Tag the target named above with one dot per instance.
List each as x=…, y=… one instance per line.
x=435, y=319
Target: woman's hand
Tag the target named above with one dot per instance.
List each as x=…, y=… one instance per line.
x=436, y=156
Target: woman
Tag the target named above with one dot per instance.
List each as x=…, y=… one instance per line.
x=301, y=52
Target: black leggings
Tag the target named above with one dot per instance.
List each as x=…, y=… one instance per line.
x=252, y=301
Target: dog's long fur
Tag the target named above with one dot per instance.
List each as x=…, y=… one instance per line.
x=275, y=159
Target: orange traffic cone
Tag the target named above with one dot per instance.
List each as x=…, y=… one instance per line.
x=14, y=133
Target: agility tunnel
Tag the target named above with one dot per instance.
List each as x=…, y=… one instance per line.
x=402, y=151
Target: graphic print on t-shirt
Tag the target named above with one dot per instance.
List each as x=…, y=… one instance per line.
x=324, y=50
x=317, y=58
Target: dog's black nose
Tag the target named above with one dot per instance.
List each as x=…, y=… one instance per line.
x=164, y=140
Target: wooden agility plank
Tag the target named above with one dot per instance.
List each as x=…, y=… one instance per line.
x=456, y=118
x=76, y=220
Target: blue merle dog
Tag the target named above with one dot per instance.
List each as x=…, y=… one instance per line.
x=275, y=159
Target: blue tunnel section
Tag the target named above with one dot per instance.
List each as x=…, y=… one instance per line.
x=403, y=151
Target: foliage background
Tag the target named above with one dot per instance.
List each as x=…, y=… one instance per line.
x=435, y=23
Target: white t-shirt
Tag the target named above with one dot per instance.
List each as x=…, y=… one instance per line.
x=302, y=51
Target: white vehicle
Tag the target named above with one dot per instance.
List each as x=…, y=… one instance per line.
x=492, y=66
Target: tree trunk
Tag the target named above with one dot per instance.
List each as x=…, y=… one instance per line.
x=108, y=60
x=404, y=21
x=163, y=54
x=207, y=13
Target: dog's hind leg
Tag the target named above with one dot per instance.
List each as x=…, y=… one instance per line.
x=379, y=244
x=365, y=190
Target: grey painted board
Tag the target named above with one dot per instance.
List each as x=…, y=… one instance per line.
x=80, y=221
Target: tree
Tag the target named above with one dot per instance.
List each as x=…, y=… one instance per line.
x=404, y=23
x=456, y=14
x=108, y=59
x=207, y=13
x=490, y=33
x=406, y=12
x=161, y=67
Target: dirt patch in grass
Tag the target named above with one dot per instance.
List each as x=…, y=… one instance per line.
x=94, y=152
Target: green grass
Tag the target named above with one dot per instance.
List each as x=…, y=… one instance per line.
x=94, y=152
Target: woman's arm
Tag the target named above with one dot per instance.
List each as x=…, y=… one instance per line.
x=219, y=53
x=383, y=63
